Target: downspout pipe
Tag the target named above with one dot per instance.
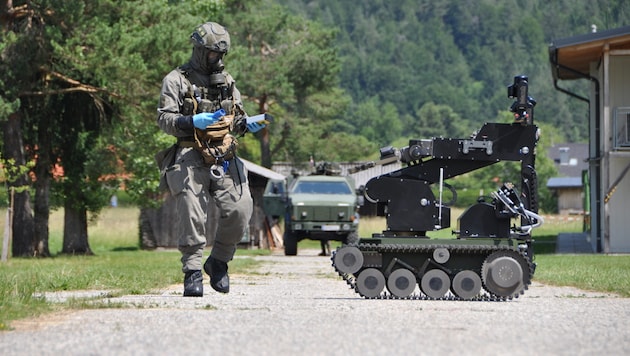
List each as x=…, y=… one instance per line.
x=593, y=161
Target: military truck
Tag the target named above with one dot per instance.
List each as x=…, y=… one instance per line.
x=321, y=206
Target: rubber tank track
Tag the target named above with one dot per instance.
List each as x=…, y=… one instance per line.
x=424, y=248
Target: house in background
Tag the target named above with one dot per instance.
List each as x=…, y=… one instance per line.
x=602, y=61
x=571, y=161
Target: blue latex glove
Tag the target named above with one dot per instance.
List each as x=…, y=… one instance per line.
x=205, y=119
x=256, y=123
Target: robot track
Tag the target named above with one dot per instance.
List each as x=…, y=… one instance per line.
x=434, y=271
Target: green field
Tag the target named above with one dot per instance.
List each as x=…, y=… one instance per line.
x=120, y=267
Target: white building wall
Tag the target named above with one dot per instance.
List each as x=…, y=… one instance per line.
x=618, y=159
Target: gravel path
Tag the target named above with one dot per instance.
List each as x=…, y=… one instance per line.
x=298, y=305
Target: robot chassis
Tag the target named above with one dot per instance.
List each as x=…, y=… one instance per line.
x=489, y=259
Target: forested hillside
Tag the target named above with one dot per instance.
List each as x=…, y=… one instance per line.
x=445, y=64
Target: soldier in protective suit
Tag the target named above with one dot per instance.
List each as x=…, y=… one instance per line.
x=201, y=107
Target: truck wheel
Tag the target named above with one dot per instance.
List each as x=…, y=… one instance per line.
x=290, y=244
x=352, y=238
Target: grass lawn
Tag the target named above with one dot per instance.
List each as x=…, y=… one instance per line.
x=119, y=266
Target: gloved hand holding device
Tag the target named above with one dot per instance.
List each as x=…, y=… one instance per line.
x=205, y=119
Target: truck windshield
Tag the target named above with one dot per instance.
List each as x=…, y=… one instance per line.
x=322, y=188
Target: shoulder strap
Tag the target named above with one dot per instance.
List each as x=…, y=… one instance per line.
x=184, y=71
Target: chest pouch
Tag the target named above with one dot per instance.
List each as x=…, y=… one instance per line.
x=215, y=143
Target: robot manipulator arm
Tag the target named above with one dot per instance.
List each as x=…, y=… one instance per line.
x=523, y=107
x=416, y=150
x=507, y=197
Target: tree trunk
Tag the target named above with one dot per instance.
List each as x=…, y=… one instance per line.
x=42, y=193
x=23, y=226
x=75, y=235
x=42, y=215
x=265, y=149
x=23, y=242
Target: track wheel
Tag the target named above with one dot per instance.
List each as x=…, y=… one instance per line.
x=466, y=284
x=435, y=283
x=348, y=259
x=401, y=283
x=370, y=282
x=441, y=255
x=503, y=272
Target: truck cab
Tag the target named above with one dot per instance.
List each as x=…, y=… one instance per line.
x=316, y=207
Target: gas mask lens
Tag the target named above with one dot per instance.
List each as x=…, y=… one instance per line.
x=215, y=61
x=214, y=57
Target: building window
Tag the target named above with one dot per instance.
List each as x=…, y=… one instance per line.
x=621, y=127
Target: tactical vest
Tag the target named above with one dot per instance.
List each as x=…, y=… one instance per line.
x=215, y=143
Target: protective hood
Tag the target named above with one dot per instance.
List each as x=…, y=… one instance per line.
x=200, y=61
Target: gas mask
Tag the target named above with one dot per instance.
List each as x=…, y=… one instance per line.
x=214, y=61
x=207, y=61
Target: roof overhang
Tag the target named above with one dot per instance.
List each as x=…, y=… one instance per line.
x=564, y=182
x=578, y=52
x=261, y=171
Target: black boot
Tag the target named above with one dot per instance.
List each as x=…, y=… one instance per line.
x=217, y=270
x=193, y=284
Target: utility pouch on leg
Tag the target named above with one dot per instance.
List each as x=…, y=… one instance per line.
x=165, y=158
